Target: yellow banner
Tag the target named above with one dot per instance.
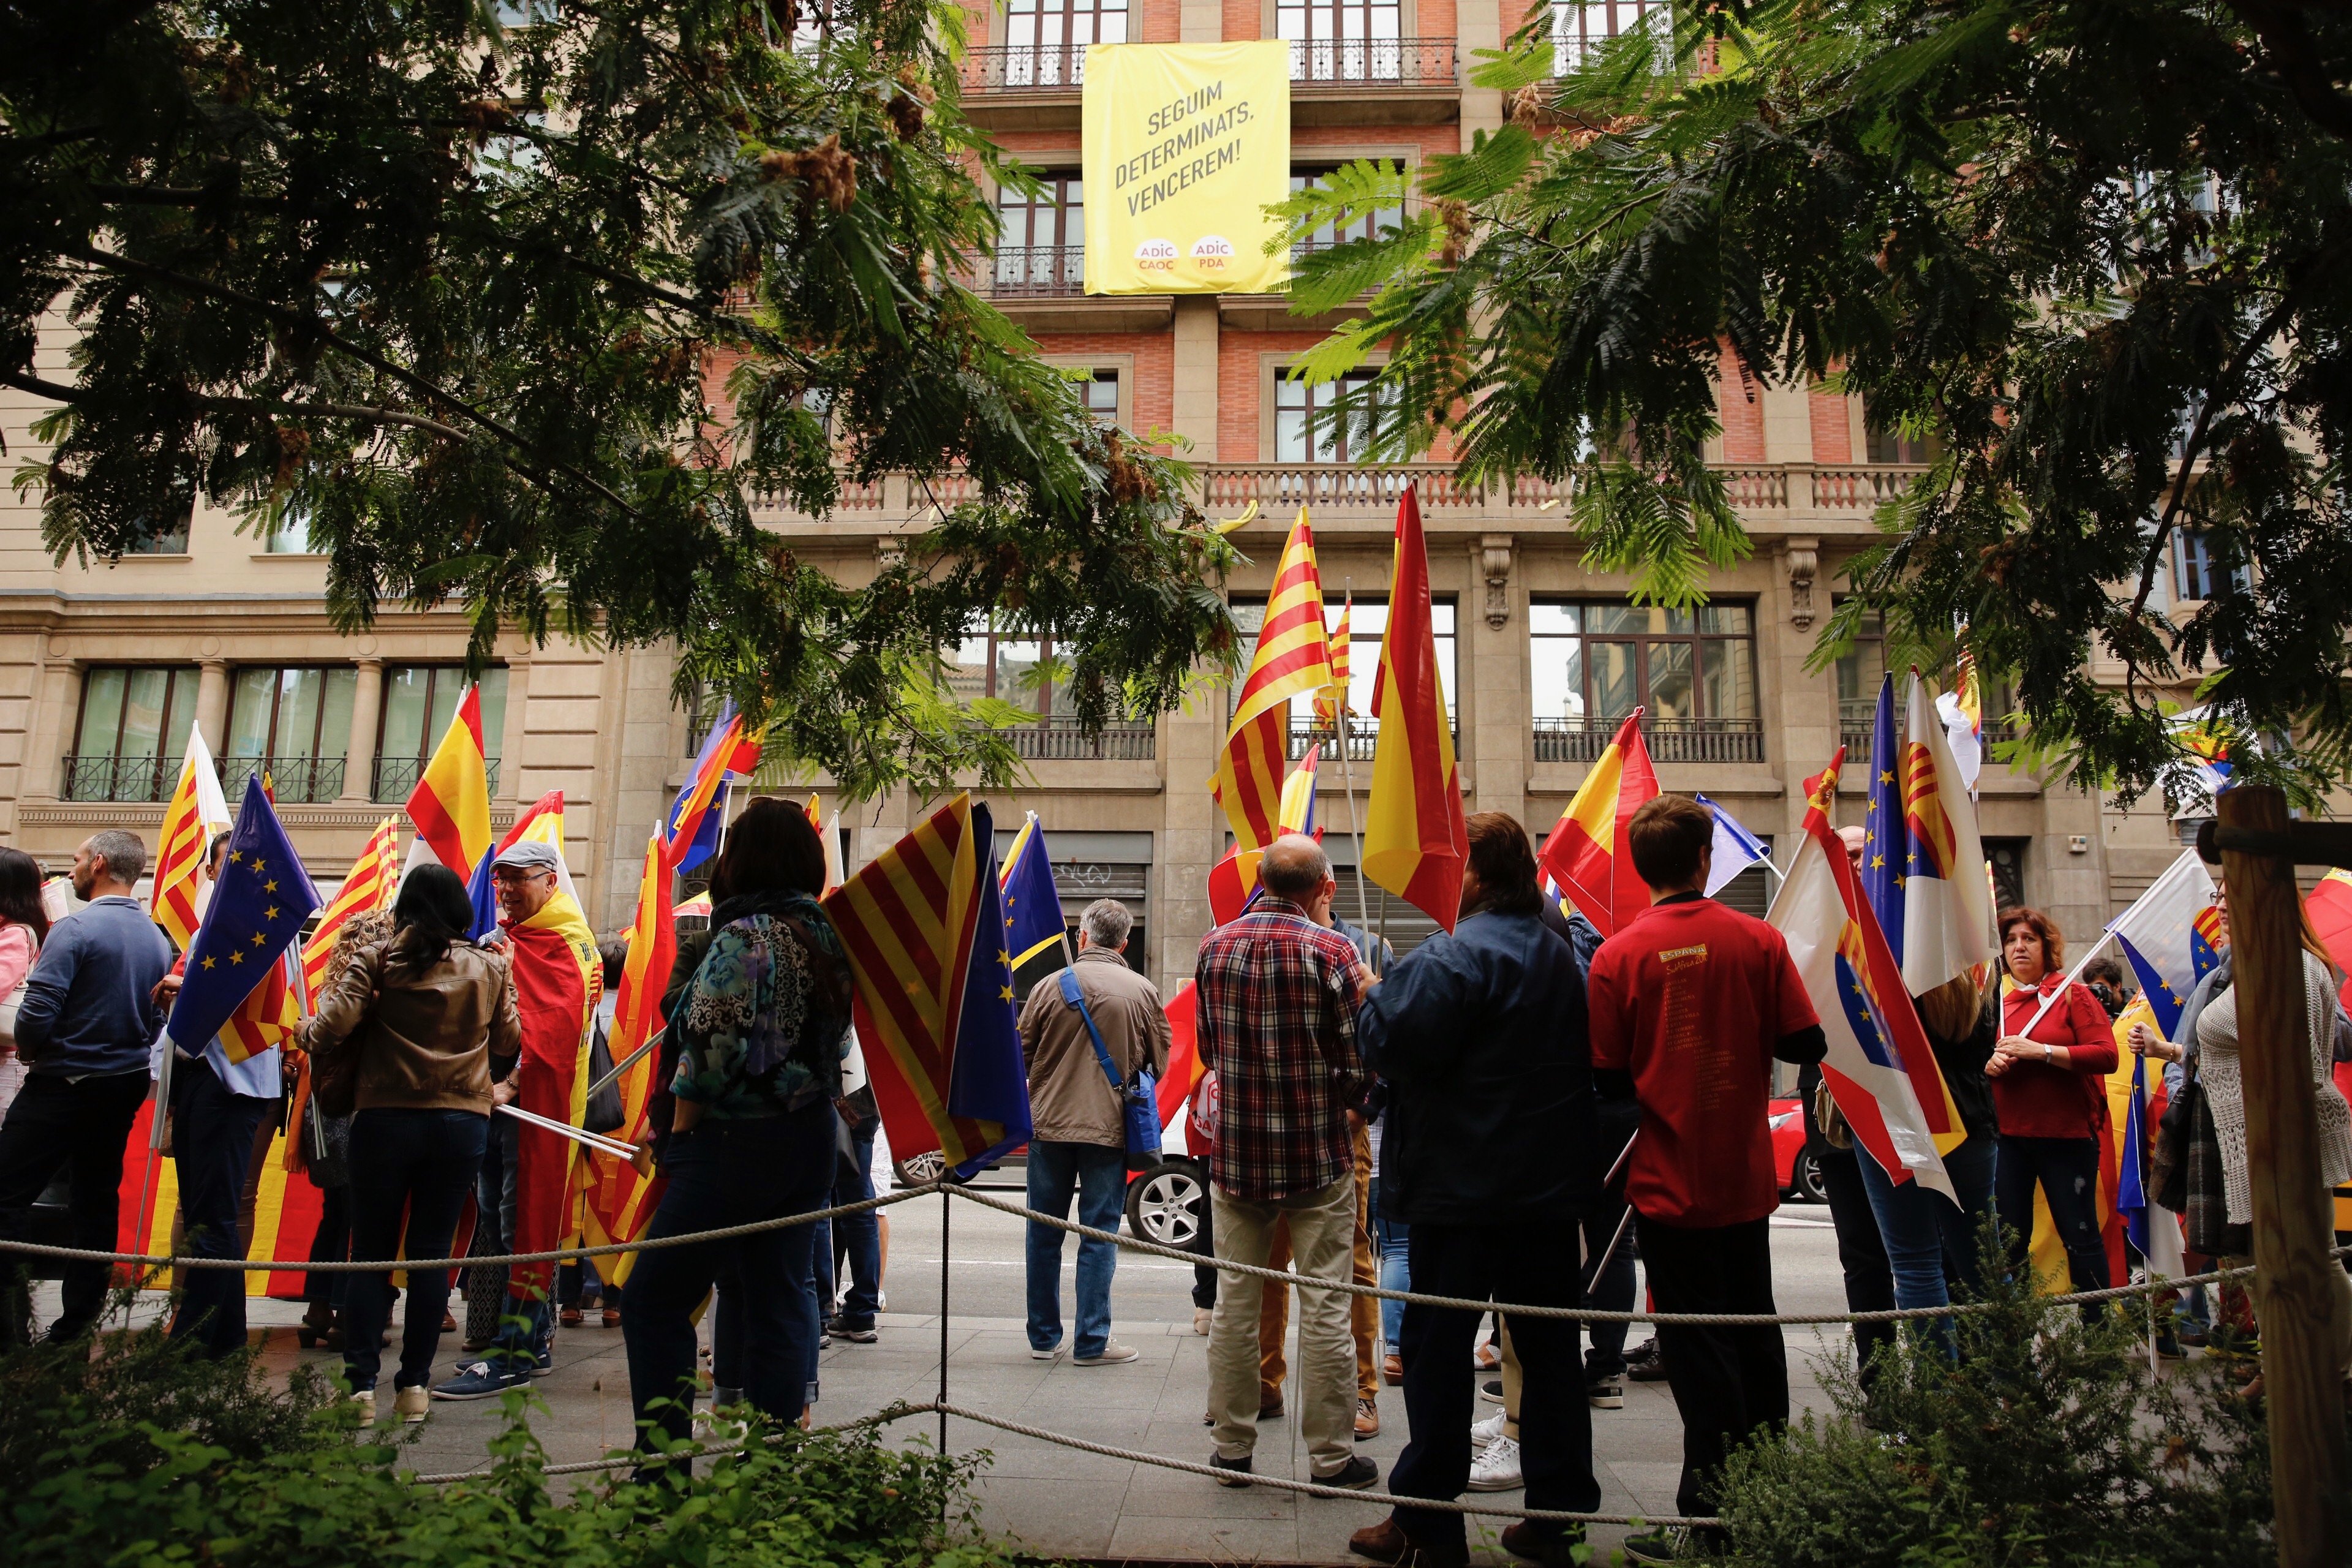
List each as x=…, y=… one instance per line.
x=1186, y=145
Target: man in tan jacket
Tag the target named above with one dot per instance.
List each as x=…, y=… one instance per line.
x=1080, y=1144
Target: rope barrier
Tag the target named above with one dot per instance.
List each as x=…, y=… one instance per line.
x=635, y=1456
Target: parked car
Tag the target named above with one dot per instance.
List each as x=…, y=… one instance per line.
x=1792, y=1163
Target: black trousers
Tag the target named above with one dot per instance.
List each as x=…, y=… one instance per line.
x=1727, y=1381
x=2067, y=1172
x=54, y=1123
x=1862, y=1253
x=1503, y=1264
x=212, y=1144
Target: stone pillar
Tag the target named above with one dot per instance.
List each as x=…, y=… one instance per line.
x=510, y=733
x=1201, y=22
x=1194, y=414
x=1799, y=706
x=212, y=701
x=358, y=752
x=1192, y=836
x=1478, y=26
x=1491, y=629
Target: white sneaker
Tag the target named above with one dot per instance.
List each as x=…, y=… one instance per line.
x=1486, y=1431
x=1201, y=1316
x=365, y=1400
x=1113, y=1354
x=1497, y=1469
x=413, y=1404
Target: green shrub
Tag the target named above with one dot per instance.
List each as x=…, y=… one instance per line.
x=143, y=1458
x=2045, y=1442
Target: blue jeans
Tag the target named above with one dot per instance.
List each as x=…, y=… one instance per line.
x=212, y=1142
x=1390, y=1235
x=858, y=1237
x=730, y=1172
x=421, y=1164
x=1098, y=1173
x=2067, y=1171
x=1931, y=1242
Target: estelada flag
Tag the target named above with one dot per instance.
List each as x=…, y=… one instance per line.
x=451, y=802
x=922, y=927
x=1880, y=1067
x=1586, y=856
x=1293, y=659
x=619, y=1200
x=1415, y=843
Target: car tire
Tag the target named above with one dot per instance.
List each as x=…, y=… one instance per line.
x=927, y=1166
x=1168, y=1203
x=1805, y=1179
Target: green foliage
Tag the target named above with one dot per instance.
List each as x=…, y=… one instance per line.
x=225, y=1471
x=542, y=309
x=2093, y=250
x=2045, y=1444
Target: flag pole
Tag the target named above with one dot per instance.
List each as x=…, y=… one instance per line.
x=1355, y=827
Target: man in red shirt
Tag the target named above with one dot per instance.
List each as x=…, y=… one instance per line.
x=1692, y=1001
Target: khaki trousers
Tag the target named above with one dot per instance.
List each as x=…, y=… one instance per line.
x=1363, y=1311
x=1322, y=1226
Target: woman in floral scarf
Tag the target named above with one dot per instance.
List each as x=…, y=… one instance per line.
x=759, y=1032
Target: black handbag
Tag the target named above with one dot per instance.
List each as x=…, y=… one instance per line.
x=604, y=1113
x=2167, y=1165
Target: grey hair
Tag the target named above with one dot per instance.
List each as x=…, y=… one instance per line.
x=1106, y=923
x=125, y=854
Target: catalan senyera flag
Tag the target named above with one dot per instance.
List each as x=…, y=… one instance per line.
x=1586, y=856
x=1293, y=659
x=369, y=885
x=1415, y=843
x=922, y=925
x=1233, y=881
x=198, y=810
x=1333, y=700
x=451, y=802
x=286, y=1212
x=618, y=1199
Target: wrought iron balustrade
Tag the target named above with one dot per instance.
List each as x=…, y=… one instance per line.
x=1669, y=740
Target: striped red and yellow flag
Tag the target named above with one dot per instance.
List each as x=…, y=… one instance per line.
x=1586, y=854
x=908, y=922
x=1416, y=842
x=1333, y=700
x=619, y=1199
x=369, y=886
x=1293, y=659
x=197, y=810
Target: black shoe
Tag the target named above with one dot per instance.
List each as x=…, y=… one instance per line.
x=1356, y=1475
x=1647, y=1364
x=1554, y=1548
x=842, y=1331
x=1491, y=1391
x=1240, y=1468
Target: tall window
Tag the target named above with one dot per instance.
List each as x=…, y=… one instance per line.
x=1042, y=247
x=1859, y=671
x=2196, y=574
x=995, y=663
x=1366, y=627
x=168, y=534
x=131, y=732
x=1304, y=428
x=1594, y=662
x=1340, y=40
x=1100, y=392
x=1580, y=27
x=294, y=723
x=1359, y=225
x=419, y=700
x=1884, y=443
x=1045, y=40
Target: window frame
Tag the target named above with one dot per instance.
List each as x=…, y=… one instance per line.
x=1571, y=46
x=1695, y=639
x=167, y=756
x=493, y=737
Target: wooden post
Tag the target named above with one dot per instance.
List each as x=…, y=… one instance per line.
x=2300, y=1305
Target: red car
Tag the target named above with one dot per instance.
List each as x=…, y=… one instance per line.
x=1792, y=1163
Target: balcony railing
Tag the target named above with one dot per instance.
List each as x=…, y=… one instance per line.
x=1669, y=740
x=1032, y=273
x=293, y=781
x=119, y=778
x=1858, y=719
x=1059, y=740
x=1316, y=63
x=1363, y=739
x=395, y=777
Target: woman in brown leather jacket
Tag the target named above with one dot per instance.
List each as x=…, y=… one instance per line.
x=431, y=1017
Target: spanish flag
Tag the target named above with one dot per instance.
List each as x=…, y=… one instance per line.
x=1416, y=844
x=1586, y=856
x=1293, y=659
x=451, y=802
x=619, y=1198
x=924, y=933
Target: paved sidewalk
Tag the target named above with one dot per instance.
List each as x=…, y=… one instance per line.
x=1056, y=1500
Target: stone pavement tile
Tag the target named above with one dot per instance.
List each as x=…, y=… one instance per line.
x=1074, y=1515
x=1650, y=1484
x=1175, y=1494
x=1213, y=1540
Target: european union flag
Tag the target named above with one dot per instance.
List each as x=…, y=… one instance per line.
x=1886, y=850
x=1032, y=918
x=258, y=905
x=987, y=1080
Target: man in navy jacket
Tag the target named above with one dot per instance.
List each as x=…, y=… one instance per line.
x=1489, y=1157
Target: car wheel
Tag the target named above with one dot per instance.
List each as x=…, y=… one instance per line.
x=927, y=1166
x=1805, y=1181
x=1166, y=1204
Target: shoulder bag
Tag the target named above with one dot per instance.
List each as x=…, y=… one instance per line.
x=2167, y=1163
x=1139, y=1099
x=16, y=998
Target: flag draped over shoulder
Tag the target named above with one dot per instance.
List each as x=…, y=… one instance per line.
x=619, y=1198
x=541, y=820
x=450, y=805
x=921, y=925
x=1032, y=904
x=369, y=886
x=197, y=810
x=256, y=911
x=1586, y=856
x=1880, y=1067
x=1416, y=844
x=1293, y=659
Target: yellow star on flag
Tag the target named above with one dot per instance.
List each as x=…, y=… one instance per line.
x=271, y=913
x=208, y=961
x=1006, y=993
x=234, y=957
x=235, y=856
x=258, y=938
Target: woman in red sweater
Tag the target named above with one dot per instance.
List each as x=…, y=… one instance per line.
x=2049, y=1098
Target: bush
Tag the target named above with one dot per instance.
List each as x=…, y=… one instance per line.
x=2044, y=1444
x=142, y=1456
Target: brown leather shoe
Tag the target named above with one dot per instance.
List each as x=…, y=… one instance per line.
x=1393, y=1369
x=569, y=1317
x=1386, y=1542
x=612, y=1317
x=1271, y=1410
x=1527, y=1540
x=1368, y=1419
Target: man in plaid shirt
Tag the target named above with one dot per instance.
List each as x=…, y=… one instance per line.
x=1277, y=1024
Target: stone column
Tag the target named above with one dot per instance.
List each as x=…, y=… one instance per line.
x=359, y=751
x=1194, y=374
x=510, y=734
x=1800, y=729
x=1479, y=25
x=1491, y=628
x=1192, y=836
x=1199, y=21
x=212, y=701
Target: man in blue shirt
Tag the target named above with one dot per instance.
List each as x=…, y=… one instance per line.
x=216, y=1108
x=87, y=1017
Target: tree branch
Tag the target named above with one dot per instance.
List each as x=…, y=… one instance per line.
x=171, y=197
x=362, y=413
x=23, y=381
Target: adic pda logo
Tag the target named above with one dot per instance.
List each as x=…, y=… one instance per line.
x=1156, y=255
x=1212, y=252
